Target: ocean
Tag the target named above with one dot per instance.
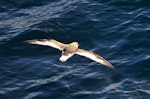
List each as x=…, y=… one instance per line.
x=118, y=30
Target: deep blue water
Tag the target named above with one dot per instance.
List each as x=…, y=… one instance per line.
x=118, y=30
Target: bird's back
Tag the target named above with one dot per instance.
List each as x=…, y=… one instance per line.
x=72, y=47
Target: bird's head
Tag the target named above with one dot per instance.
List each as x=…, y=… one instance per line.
x=75, y=44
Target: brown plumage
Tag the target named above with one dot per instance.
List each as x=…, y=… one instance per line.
x=68, y=50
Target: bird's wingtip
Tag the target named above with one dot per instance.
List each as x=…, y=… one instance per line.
x=29, y=41
x=110, y=66
x=106, y=63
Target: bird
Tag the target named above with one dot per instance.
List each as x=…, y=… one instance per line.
x=68, y=50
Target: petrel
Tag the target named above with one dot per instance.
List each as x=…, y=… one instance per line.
x=68, y=50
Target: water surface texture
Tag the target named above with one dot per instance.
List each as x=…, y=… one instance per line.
x=118, y=30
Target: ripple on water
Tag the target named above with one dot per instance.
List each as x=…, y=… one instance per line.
x=117, y=30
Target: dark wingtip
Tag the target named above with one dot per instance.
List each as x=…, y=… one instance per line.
x=112, y=67
x=109, y=65
x=28, y=41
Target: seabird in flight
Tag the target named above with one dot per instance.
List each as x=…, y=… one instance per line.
x=68, y=50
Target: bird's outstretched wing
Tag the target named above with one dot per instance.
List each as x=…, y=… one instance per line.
x=52, y=43
x=94, y=57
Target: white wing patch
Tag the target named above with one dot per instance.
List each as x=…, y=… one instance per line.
x=93, y=57
x=45, y=43
x=64, y=58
